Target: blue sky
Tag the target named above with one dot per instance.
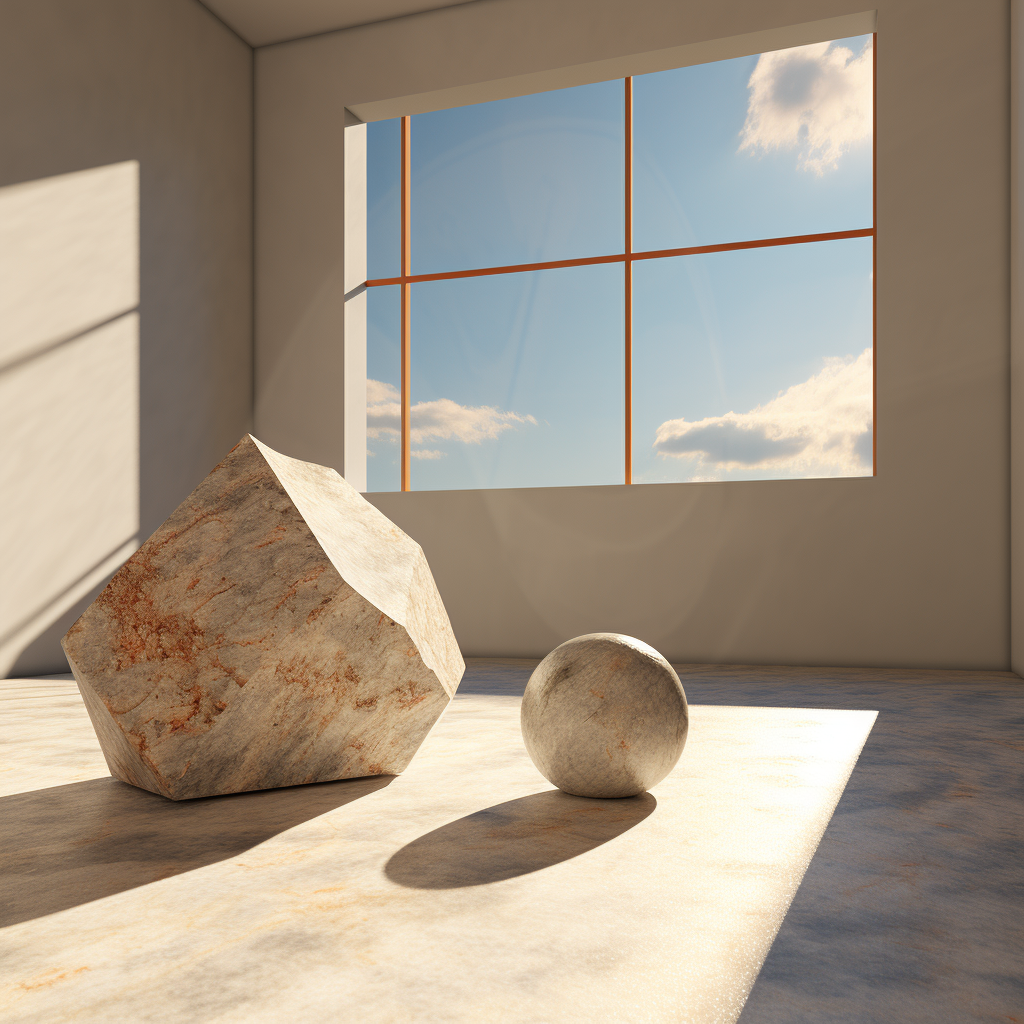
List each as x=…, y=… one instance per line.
x=747, y=365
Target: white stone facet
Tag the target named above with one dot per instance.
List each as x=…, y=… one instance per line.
x=604, y=715
x=275, y=630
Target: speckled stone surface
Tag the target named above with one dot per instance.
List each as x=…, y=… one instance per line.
x=275, y=630
x=913, y=907
x=464, y=890
x=604, y=715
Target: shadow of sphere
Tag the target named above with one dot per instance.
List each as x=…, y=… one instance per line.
x=514, y=838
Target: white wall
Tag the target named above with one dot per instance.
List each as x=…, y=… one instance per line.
x=125, y=290
x=908, y=568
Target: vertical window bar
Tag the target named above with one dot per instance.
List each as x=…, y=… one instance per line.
x=874, y=254
x=406, y=293
x=628, y=272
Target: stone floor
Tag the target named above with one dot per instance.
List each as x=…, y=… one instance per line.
x=911, y=909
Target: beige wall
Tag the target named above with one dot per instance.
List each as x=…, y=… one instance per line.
x=126, y=292
x=126, y=361
x=908, y=568
x=1017, y=339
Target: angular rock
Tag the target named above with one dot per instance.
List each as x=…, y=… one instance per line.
x=275, y=630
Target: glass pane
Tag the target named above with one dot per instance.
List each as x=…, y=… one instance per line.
x=758, y=147
x=383, y=384
x=522, y=180
x=383, y=199
x=754, y=364
x=517, y=380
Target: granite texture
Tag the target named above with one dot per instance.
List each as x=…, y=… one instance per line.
x=604, y=715
x=275, y=630
x=465, y=890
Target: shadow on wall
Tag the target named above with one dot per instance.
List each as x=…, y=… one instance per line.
x=73, y=844
x=69, y=401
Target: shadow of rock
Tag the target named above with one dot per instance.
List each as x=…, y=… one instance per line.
x=514, y=838
x=72, y=844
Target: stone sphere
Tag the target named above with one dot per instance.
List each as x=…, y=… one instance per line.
x=604, y=715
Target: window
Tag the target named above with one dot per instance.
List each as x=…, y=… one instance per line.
x=662, y=279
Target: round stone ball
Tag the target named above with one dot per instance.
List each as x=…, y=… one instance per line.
x=604, y=715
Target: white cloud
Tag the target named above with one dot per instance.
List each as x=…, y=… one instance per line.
x=440, y=420
x=377, y=392
x=820, y=427
x=816, y=99
x=426, y=453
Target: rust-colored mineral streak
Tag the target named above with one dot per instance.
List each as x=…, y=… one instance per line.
x=276, y=630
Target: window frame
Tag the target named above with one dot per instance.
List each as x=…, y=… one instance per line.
x=406, y=279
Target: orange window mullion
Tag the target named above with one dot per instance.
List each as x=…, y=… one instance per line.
x=406, y=295
x=628, y=269
x=874, y=254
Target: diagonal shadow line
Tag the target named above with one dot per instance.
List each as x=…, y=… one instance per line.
x=69, y=845
x=27, y=620
x=514, y=838
x=56, y=343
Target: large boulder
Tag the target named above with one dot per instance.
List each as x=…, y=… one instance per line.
x=275, y=630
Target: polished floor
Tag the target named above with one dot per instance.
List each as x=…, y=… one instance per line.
x=911, y=909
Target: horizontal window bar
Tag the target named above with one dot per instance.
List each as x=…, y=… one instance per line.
x=828, y=236
x=760, y=243
x=588, y=261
